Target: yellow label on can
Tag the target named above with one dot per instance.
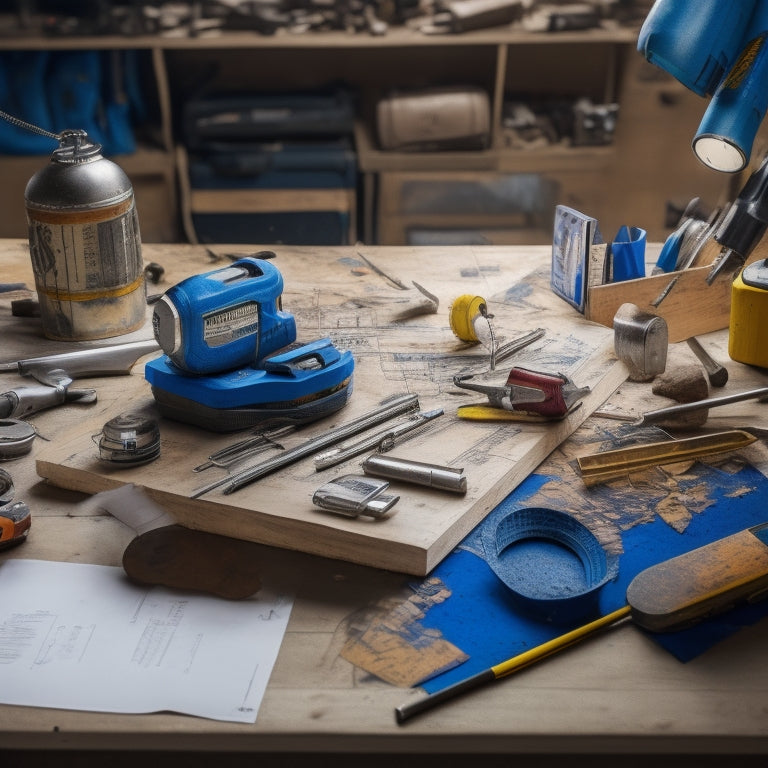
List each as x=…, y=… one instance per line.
x=88, y=270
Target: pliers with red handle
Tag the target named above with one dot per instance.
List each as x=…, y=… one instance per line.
x=526, y=393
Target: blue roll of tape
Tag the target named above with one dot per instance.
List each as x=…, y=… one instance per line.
x=553, y=565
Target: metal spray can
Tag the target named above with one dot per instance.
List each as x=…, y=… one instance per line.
x=84, y=243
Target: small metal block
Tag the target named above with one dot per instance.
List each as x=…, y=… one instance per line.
x=354, y=495
x=641, y=341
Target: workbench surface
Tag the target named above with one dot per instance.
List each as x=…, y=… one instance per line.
x=620, y=695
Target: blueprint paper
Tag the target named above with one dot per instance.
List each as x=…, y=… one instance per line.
x=481, y=619
x=84, y=637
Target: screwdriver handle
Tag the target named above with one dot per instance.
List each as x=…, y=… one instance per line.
x=745, y=221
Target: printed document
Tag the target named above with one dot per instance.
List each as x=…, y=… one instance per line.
x=84, y=637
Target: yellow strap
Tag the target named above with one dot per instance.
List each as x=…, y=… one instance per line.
x=113, y=293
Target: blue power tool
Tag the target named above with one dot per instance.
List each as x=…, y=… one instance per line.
x=231, y=358
x=716, y=48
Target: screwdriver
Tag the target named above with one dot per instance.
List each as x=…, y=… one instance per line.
x=672, y=595
x=743, y=225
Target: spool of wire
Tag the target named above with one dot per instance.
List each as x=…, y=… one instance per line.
x=16, y=438
x=129, y=439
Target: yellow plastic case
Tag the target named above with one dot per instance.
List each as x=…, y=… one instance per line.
x=749, y=319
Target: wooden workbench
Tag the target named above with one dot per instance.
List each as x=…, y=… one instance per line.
x=620, y=696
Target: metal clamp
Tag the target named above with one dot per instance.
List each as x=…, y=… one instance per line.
x=354, y=495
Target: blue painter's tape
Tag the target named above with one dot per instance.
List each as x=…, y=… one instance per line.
x=482, y=618
x=552, y=563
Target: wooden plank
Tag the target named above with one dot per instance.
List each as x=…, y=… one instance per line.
x=686, y=289
x=689, y=305
x=271, y=200
x=332, y=292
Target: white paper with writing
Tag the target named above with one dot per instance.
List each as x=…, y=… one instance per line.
x=76, y=636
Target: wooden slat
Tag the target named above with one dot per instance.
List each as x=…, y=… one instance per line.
x=335, y=293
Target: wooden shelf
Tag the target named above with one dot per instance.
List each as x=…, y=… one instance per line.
x=373, y=160
x=618, y=184
x=397, y=36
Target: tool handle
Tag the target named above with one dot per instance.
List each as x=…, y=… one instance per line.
x=384, y=441
x=745, y=221
x=407, y=711
x=651, y=417
x=99, y=361
x=717, y=374
x=514, y=664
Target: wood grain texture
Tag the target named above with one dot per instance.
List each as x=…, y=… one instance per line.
x=620, y=695
x=689, y=305
x=334, y=292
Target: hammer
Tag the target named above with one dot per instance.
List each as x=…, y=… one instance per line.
x=718, y=375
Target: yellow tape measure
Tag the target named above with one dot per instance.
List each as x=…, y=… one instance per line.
x=464, y=314
x=749, y=316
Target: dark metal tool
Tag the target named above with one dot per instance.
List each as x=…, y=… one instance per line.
x=743, y=225
x=388, y=409
x=661, y=414
x=382, y=441
x=717, y=374
x=21, y=402
x=242, y=449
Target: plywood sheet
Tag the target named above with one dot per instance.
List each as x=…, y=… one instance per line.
x=375, y=312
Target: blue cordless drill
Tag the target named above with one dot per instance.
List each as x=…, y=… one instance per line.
x=715, y=48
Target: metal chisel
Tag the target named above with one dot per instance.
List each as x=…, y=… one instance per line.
x=115, y=360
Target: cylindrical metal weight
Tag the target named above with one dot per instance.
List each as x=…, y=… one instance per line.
x=85, y=244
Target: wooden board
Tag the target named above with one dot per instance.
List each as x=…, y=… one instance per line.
x=335, y=292
x=672, y=294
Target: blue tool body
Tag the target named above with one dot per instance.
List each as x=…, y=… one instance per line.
x=292, y=376
x=696, y=41
x=715, y=48
x=232, y=360
x=224, y=319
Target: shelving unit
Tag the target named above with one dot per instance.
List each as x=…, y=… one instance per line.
x=648, y=166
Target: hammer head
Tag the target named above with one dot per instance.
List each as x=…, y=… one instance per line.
x=640, y=341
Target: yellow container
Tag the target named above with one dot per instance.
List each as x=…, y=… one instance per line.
x=749, y=316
